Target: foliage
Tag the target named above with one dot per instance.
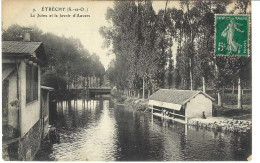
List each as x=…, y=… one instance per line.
x=53, y=80
x=137, y=37
x=142, y=40
x=67, y=58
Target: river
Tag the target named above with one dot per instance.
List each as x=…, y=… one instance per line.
x=97, y=130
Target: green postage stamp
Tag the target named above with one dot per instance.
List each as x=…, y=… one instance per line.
x=232, y=35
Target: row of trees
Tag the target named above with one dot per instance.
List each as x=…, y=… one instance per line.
x=142, y=43
x=68, y=61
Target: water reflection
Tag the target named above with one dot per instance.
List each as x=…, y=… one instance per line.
x=87, y=131
x=96, y=130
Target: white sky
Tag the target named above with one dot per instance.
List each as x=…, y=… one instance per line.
x=86, y=29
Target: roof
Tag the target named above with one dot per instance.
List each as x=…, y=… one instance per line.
x=176, y=96
x=27, y=49
x=20, y=47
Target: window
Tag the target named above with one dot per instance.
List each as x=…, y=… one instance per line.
x=31, y=83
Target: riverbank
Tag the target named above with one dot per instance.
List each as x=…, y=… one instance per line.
x=133, y=103
x=226, y=119
x=222, y=124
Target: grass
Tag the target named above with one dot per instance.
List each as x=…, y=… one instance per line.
x=229, y=108
x=242, y=114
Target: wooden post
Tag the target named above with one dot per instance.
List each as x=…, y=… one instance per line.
x=186, y=129
x=185, y=112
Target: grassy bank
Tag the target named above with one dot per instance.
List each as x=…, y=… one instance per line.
x=134, y=102
x=137, y=104
x=232, y=112
x=228, y=110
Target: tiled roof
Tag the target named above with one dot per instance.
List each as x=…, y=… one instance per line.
x=175, y=96
x=19, y=47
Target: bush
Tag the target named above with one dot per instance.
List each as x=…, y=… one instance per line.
x=120, y=97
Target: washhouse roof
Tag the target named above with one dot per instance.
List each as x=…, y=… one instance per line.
x=180, y=97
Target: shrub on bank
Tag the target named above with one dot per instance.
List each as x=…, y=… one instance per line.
x=120, y=97
x=137, y=104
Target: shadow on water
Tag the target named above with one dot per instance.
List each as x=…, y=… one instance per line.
x=95, y=129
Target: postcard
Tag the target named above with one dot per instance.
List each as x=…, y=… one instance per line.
x=134, y=80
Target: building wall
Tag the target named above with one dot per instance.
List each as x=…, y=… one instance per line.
x=197, y=105
x=45, y=111
x=25, y=148
x=12, y=91
x=30, y=143
x=9, y=74
x=30, y=113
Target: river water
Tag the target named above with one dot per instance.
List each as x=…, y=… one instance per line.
x=97, y=130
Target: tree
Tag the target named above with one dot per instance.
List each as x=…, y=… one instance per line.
x=242, y=7
x=67, y=58
x=15, y=33
x=136, y=41
x=170, y=71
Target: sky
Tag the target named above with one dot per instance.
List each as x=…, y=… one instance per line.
x=85, y=28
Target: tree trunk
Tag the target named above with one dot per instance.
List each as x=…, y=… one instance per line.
x=143, y=88
x=191, y=80
x=219, y=99
x=233, y=88
x=153, y=88
x=149, y=93
x=90, y=82
x=239, y=94
x=129, y=92
x=203, y=84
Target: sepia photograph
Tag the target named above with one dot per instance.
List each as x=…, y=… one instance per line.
x=126, y=80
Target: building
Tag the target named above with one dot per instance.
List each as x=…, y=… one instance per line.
x=180, y=105
x=45, y=91
x=22, y=118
